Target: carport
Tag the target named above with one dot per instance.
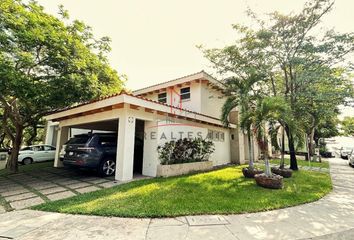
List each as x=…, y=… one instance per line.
x=125, y=114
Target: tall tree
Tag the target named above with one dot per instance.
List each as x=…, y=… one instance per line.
x=46, y=63
x=268, y=109
x=347, y=126
x=298, y=61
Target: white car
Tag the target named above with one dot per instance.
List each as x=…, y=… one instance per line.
x=36, y=153
x=351, y=160
x=345, y=152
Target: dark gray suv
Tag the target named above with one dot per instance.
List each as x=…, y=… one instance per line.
x=94, y=151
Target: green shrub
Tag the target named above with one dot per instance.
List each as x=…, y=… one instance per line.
x=185, y=151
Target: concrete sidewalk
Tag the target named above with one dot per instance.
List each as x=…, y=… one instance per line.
x=331, y=217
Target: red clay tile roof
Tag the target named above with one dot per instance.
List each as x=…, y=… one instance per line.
x=128, y=94
x=155, y=85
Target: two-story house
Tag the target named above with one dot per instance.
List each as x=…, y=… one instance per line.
x=189, y=107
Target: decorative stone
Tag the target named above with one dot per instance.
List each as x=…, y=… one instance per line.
x=284, y=172
x=249, y=173
x=273, y=182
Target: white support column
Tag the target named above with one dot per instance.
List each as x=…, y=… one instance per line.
x=150, y=156
x=237, y=145
x=62, y=137
x=50, y=133
x=125, y=149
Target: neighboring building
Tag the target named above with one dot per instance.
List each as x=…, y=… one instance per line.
x=185, y=107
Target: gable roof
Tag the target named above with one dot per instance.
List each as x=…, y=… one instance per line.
x=138, y=94
x=112, y=102
x=202, y=75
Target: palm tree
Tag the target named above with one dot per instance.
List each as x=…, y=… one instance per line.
x=268, y=109
x=239, y=96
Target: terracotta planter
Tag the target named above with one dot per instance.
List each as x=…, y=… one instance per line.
x=284, y=172
x=250, y=173
x=273, y=182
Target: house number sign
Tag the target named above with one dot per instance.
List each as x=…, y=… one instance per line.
x=130, y=119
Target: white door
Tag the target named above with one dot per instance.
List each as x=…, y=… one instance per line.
x=49, y=153
x=38, y=154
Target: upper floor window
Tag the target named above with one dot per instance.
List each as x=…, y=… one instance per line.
x=162, y=97
x=185, y=93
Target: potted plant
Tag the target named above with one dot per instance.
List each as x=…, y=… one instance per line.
x=267, y=109
x=267, y=179
x=251, y=170
x=281, y=170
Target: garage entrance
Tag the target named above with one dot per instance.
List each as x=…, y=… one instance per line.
x=139, y=146
x=112, y=127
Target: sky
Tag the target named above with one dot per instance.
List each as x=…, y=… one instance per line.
x=155, y=41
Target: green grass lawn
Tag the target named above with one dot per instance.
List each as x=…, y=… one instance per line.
x=323, y=164
x=28, y=168
x=222, y=191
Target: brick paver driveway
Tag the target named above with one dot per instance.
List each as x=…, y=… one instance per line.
x=27, y=189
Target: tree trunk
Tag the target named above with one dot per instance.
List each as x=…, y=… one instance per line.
x=311, y=147
x=33, y=135
x=267, y=171
x=12, y=163
x=2, y=139
x=250, y=151
x=292, y=151
x=282, y=148
x=308, y=157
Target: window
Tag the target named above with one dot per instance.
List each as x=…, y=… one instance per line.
x=210, y=134
x=79, y=139
x=216, y=136
x=38, y=148
x=162, y=97
x=185, y=93
x=49, y=148
x=108, y=141
x=222, y=136
x=27, y=149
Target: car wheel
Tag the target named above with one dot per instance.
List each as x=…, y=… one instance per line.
x=107, y=167
x=27, y=161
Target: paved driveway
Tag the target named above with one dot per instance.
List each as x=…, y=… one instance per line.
x=332, y=217
x=27, y=189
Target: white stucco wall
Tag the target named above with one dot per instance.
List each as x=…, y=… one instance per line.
x=212, y=101
x=193, y=104
x=150, y=157
x=204, y=99
x=161, y=131
x=222, y=154
x=127, y=114
x=51, y=133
